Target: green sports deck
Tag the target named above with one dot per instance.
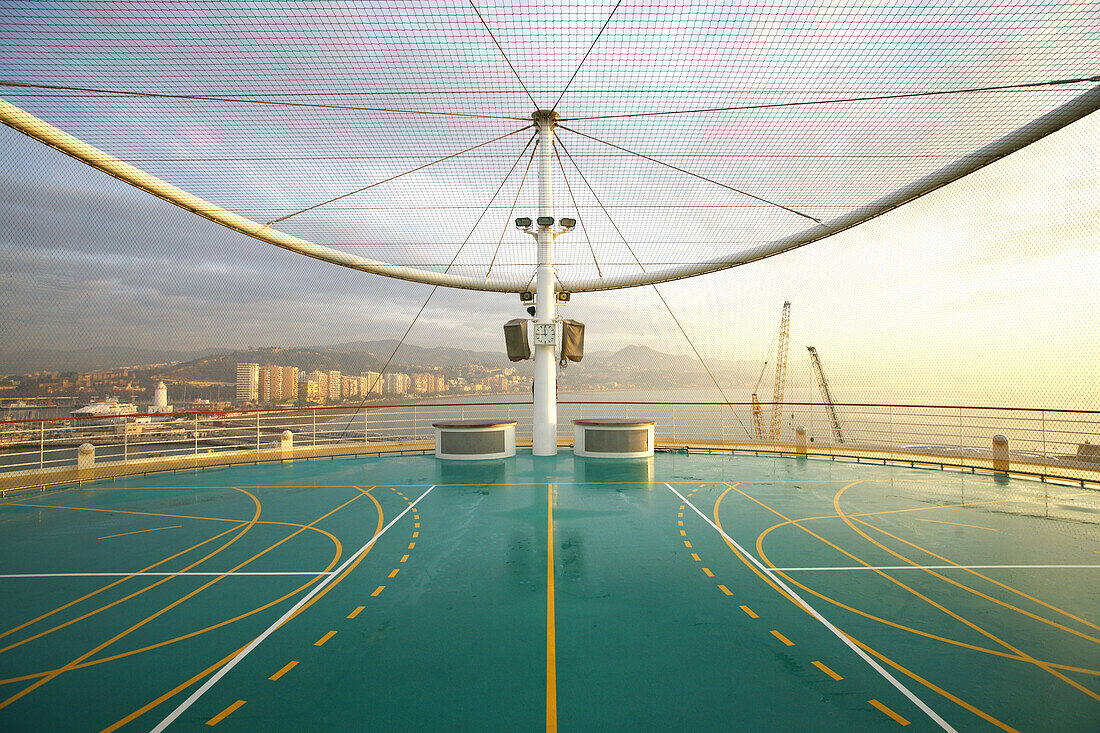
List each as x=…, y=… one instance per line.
x=546, y=593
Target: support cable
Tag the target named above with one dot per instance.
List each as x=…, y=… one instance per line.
x=424, y=305
x=693, y=175
x=506, y=59
x=659, y=295
x=391, y=178
x=842, y=100
x=578, y=209
x=245, y=100
x=585, y=58
x=508, y=221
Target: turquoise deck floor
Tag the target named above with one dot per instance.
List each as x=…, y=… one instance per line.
x=443, y=624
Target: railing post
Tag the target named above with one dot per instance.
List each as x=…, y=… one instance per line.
x=314, y=411
x=416, y=433
x=366, y=424
x=41, y=445
x=257, y=432
x=196, y=435
x=1043, y=421
x=125, y=442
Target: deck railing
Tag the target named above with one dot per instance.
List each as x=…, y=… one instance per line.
x=1044, y=442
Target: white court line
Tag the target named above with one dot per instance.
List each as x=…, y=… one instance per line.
x=813, y=612
x=282, y=620
x=950, y=567
x=161, y=575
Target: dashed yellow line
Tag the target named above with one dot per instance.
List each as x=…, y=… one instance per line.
x=324, y=638
x=225, y=713
x=749, y=611
x=681, y=523
x=403, y=558
x=897, y=718
x=782, y=638
x=683, y=533
x=416, y=534
x=687, y=544
x=356, y=612
x=275, y=677
x=395, y=570
x=412, y=545
x=378, y=590
x=708, y=572
x=696, y=557
x=725, y=590
x=828, y=671
x=416, y=525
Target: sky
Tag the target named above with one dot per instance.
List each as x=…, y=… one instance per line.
x=983, y=291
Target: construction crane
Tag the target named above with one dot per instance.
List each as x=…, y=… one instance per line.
x=757, y=410
x=781, y=370
x=823, y=385
x=783, y=337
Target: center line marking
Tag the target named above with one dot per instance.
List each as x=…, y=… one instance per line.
x=378, y=590
x=356, y=612
x=813, y=612
x=782, y=638
x=394, y=572
x=217, y=676
x=828, y=671
x=726, y=590
x=900, y=720
x=331, y=634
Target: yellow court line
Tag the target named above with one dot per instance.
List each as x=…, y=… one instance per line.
x=725, y=590
x=392, y=574
x=696, y=557
x=551, y=653
x=323, y=639
x=900, y=720
x=356, y=612
x=881, y=657
x=412, y=545
x=72, y=664
x=417, y=525
x=708, y=572
x=403, y=558
x=687, y=544
x=154, y=529
x=680, y=523
x=289, y=666
x=940, y=607
x=749, y=611
x=378, y=590
x=782, y=638
x=225, y=660
x=416, y=534
x=225, y=713
x=683, y=533
x=828, y=671
x=955, y=524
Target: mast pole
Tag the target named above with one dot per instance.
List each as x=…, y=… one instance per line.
x=545, y=428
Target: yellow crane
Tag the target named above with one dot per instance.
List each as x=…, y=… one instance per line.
x=826, y=395
x=780, y=381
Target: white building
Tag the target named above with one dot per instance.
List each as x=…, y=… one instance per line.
x=160, y=404
x=248, y=383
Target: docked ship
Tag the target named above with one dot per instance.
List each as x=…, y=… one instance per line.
x=108, y=410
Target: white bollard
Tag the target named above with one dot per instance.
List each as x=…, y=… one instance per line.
x=287, y=444
x=800, y=440
x=1000, y=453
x=85, y=457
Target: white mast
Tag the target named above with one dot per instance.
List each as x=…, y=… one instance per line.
x=545, y=433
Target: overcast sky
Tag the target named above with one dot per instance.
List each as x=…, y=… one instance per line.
x=987, y=286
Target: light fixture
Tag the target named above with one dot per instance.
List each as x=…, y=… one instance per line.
x=523, y=222
x=526, y=297
x=567, y=222
x=545, y=222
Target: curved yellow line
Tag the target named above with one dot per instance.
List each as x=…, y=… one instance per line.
x=935, y=688
x=994, y=582
x=43, y=680
x=939, y=606
x=225, y=660
x=887, y=622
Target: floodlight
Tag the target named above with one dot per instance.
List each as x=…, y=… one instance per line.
x=562, y=296
x=545, y=222
x=526, y=297
x=567, y=223
x=523, y=222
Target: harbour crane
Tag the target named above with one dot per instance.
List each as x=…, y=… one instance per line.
x=780, y=381
x=826, y=396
